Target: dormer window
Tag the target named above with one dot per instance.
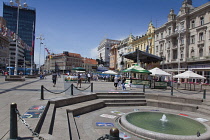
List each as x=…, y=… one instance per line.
x=182, y=25
x=161, y=35
x=193, y=24
x=169, y=31
x=202, y=20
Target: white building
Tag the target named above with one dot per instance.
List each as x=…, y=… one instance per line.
x=104, y=50
x=184, y=40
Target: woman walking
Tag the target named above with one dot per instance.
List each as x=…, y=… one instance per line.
x=115, y=82
x=123, y=83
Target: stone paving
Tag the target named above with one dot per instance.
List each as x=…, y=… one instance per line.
x=27, y=94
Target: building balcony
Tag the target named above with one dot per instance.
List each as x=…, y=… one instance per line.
x=175, y=46
x=194, y=59
x=200, y=42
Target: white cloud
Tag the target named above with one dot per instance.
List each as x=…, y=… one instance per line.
x=94, y=53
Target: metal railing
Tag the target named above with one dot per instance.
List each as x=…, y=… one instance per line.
x=14, y=112
x=70, y=87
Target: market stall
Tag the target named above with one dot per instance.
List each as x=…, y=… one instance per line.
x=158, y=73
x=137, y=82
x=189, y=75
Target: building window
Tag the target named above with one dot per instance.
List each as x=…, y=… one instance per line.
x=181, y=56
x=182, y=25
x=175, y=54
x=157, y=36
x=161, y=47
x=156, y=48
x=201, y=20
x=200, y=52
x=192, y=52
x=182, y=40
x=161, y=35
x=169, y=44
x=192, y=39
x=193, y=24
x=201, y=36
x=169, y=31
x=168, y=55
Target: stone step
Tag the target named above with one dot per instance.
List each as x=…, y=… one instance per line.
x=73, y=128
x=177, y=99
x=207, y=103
x=121, y=97
x=126, y=104
x=123, y=100
x=84, y=107
x=46, y=121
x=172, y=105
x=61, y=125
x=203, y=111
x=207, y=108
x=120, y=93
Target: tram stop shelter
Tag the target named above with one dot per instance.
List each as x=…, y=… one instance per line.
x=143, y=56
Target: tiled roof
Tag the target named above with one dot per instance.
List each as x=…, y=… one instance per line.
x=90, y=61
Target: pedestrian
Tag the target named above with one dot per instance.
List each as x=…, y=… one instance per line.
x=123, y=83
x=54, y=78
x=119, y=82
x=115, y=82
x=79, y=80
x=130, y=82
x=88, y=75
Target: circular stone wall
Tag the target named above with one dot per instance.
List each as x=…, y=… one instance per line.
x=137, y=130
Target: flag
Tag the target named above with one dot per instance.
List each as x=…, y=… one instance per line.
x=48, y=52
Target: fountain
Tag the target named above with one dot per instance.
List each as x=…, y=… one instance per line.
x=163, y=119
x=173, y=127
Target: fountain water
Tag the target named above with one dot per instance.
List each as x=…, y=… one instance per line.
x=149, y=125
x=163, y=119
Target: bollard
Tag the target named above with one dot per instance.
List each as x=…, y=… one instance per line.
x=91, y=87
x=144, y=88
x=71, y=89
x=42, y=92
x=13, y=122
x=172, y=90
x=204, y=94
x=114, y=134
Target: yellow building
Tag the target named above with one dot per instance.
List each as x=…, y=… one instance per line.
x=145, y=42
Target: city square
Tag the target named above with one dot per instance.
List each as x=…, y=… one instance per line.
x=28, y=93
x=117, y=74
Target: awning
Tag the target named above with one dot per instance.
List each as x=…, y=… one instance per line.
x=143, y=56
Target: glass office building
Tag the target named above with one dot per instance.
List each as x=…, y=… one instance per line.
x=26, y=26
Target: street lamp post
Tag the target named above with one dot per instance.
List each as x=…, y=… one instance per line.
x=179, y=31
x=40, y=38
x=19, y=5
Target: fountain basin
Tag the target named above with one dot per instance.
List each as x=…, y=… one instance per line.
x=149, y=125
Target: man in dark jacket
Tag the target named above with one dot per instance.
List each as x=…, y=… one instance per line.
x=54, y=78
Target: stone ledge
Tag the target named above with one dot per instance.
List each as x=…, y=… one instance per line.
x=31, y=76
x=14, y=78
x=172, y=105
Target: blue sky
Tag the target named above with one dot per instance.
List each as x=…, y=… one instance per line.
x=79, y=26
